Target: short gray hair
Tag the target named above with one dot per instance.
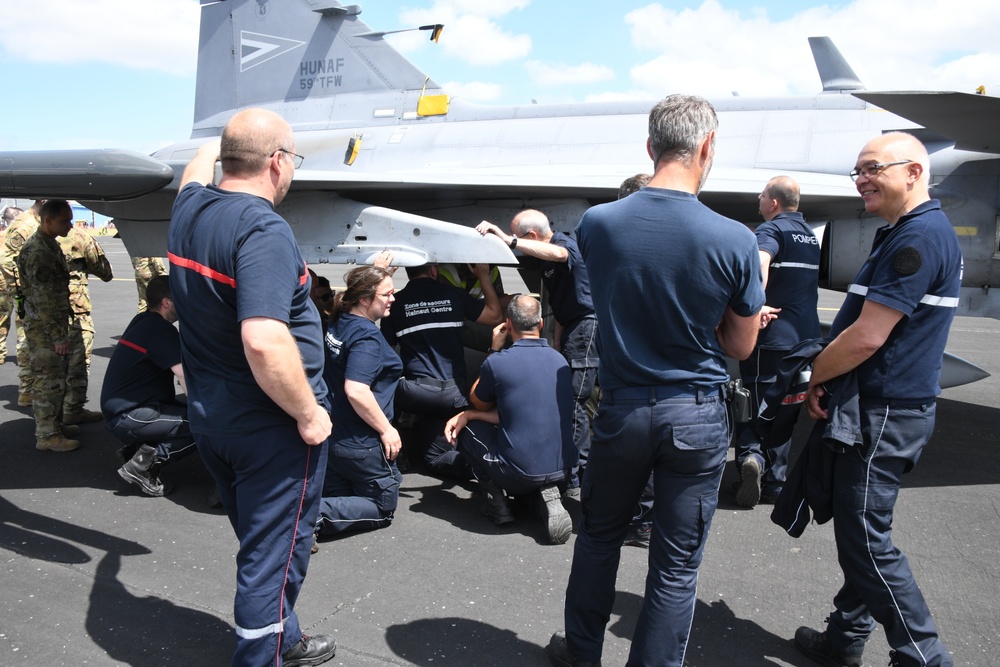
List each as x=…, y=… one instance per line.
x=677, y=126
x=525, y=313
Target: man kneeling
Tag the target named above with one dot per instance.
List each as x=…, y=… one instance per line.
x=138, y=401
x=519, y=437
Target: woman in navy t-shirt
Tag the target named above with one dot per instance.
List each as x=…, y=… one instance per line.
x=362, y=481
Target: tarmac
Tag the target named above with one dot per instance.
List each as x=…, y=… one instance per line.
x=95, y=573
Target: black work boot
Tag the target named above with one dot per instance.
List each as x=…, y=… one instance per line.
x=494, y=503
x=816, y=645
x=143, y=471
x=310, y=651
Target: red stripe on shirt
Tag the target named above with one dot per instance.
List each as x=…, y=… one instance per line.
x=202, y=269
x=132, y=345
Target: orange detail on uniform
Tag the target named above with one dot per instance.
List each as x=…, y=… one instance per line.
x=201, y=269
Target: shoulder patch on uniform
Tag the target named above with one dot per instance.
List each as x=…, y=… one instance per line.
x=907, y=261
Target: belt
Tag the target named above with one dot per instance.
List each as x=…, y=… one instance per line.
x=659, y=393
x=433, y=382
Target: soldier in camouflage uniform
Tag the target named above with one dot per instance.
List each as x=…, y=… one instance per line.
x=6, y=300
x=18, y=233
x=146, y=268
x=44, y=278
x=83, y=256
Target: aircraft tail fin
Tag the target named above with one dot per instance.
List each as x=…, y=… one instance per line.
x=300, y=58
x=836, y=75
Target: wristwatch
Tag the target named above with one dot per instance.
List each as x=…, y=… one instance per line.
x=513, y=243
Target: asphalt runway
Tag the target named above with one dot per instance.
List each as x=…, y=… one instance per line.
x=94, y=573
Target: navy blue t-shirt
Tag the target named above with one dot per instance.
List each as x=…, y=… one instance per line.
x=139, y=369
x=232, y=258
x=567, y=283
x=356, y=350
x=532, y=386
x=915, y=267
x=793, y=280
x=426, y=322
x=663, y=268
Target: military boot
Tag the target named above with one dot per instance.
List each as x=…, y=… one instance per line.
x=81, y=416
x=143, y=471
x=56, y=443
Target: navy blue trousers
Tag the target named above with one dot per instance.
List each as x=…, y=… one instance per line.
x=878, y=583
x=759, y=371
x=683, y=442
x=270, y=484
x=163, y=426
x=579, y=346
x=361, y=490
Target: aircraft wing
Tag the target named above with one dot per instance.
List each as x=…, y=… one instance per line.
x=971, y=121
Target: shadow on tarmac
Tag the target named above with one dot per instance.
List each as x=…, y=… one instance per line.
x=132, y=629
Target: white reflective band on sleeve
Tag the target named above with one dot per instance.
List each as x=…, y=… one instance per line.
x=944, y=301
x=257, y=633
x=795, y=265
x=927, y=300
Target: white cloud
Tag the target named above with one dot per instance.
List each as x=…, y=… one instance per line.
x=562, y=75
x=471, y=34
x=474, y=91
x=160, y=35
x=928, y=44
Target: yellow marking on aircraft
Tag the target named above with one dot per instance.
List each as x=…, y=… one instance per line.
x=967, y=231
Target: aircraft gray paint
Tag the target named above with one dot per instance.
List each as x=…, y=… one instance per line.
x=381, y=172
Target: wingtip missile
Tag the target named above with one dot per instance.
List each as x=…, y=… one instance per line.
x=97, y=175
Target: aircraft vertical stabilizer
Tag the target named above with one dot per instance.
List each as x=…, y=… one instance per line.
x=297, y=57
x=836, y=75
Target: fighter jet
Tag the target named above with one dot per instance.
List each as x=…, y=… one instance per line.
x=394, y=162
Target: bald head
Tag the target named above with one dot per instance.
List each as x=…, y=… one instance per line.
x=785, y=191
x=530, y=220
x=249, y=140
x=896, y=146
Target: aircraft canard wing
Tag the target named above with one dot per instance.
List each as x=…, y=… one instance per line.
x=98, y=174
x=971, y=121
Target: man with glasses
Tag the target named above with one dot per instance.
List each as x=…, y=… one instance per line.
x=565, y=278
x=891, y=332
x=253, y=362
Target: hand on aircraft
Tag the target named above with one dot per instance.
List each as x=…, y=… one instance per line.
x=485, y=227
x=481, y=271
x=383, y=260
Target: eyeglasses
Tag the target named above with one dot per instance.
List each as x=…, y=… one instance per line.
x=872, y=170
x=386, y=295
x=297, y=159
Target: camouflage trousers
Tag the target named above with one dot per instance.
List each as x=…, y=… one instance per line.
x=6, y=310
x=48, y=372
x=146, y=268
x=81, y=342
x=7, y=316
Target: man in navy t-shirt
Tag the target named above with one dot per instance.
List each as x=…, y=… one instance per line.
x=518, y=438
x=253, y=361
x=138, y=401
x=676, y=288
x=565, y=278
x=891, y=331
x=789, y=268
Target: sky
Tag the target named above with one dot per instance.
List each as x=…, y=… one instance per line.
x=121, y=73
